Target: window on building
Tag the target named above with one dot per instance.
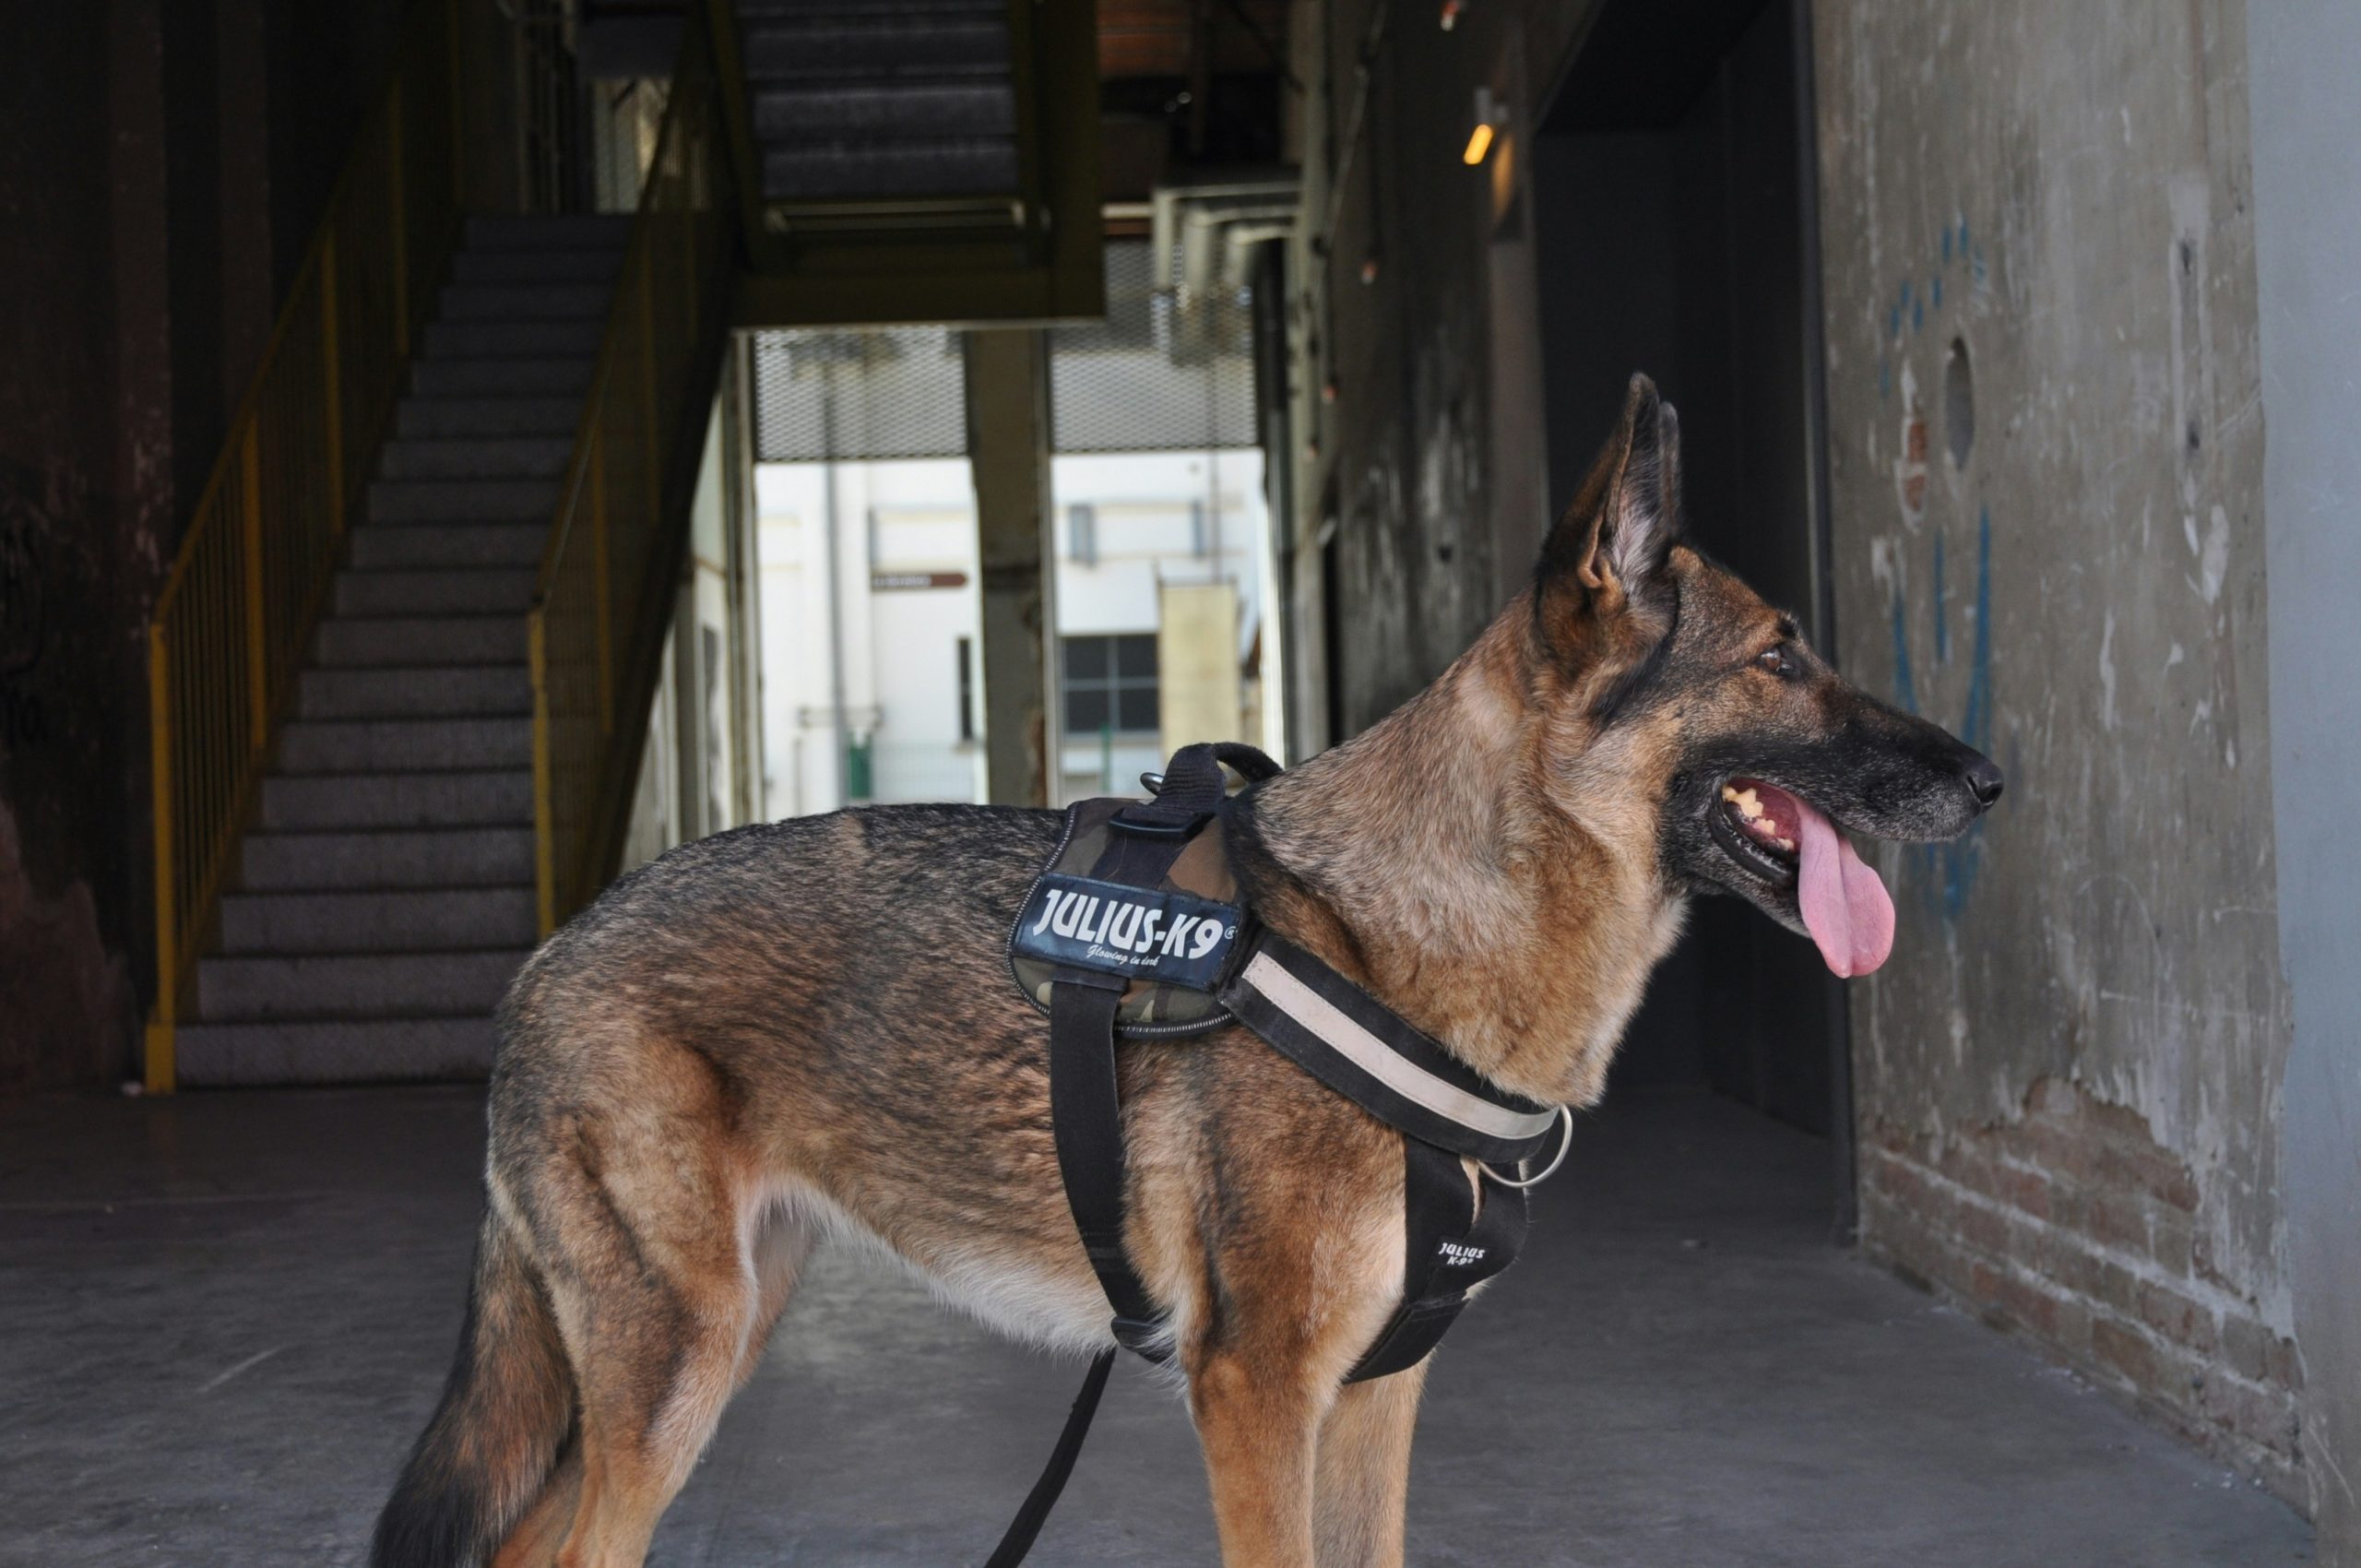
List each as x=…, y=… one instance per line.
x=967, y=688
x=1109, y=683
x=1082, y=534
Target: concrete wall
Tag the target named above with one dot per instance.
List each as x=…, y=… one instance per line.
x=2069, y=1078
x=2046, y=485
x=2307, y=231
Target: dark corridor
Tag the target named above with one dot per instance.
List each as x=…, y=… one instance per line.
x=1671, y=208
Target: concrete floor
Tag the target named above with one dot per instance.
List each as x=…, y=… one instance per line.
x=222, y=1319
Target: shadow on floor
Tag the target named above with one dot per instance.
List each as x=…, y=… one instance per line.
x=223, y=1318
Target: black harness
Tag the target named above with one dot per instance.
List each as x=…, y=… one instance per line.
x=1133, y=930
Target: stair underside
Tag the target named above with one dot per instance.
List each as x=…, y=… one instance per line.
x=384, y=895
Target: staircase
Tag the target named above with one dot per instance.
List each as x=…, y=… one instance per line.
x=385, y=891
x=864, y=99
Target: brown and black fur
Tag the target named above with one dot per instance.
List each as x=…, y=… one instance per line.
x=807, y=1027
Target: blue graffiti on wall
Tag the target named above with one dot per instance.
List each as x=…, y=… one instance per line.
x=1946, y=872
x=1911, y=302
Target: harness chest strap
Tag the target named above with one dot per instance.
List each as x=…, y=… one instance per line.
x=1109, y=940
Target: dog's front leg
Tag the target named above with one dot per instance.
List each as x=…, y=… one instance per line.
x=1258, y=1422
x=1363, y=1479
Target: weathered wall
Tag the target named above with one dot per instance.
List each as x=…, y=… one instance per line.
x=2307, y=231
x=2069, y=1077
x=1431, y=468
x=162, y=166
x=2039, y=253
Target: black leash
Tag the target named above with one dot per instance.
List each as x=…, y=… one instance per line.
x=1085, y=1118
x=1028, y=1524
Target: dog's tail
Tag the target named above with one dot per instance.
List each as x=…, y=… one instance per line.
x=506, y=1413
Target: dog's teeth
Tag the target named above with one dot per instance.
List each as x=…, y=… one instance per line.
x=1786, y=844
x=1746, y=803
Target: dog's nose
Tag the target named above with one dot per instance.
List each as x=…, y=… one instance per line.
x=1985, y=781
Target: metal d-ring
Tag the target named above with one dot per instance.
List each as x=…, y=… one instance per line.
x=1565, y=1142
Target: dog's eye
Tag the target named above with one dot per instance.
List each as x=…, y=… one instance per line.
x=1775, y=661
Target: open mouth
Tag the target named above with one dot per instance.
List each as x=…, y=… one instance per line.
x=1761, y=827
x=1785, y=842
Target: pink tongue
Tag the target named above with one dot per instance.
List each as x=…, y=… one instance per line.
x=1845, y=906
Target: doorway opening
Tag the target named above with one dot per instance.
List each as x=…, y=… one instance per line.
x=1673, y=217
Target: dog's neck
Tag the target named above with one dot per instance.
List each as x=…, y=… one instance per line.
x=1449, y=860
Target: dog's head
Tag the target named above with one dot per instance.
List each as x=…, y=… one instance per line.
x=1674, y=691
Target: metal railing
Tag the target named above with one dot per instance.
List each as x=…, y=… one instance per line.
x=245, y=589
x=610, y=574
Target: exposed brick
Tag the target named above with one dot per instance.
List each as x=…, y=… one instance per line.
x=2282, y=1365
x=2053, y=1097
x=2244, y=1344
x=2073, y=1332
x=2263, y=1416
x=2136, y=1164
x=2130, y=1355
x=2115, y=1286
x=2064, y=1257
x=2170, y=1243
x=2116, y=1222
x=1985, y=1227
x=2025, y=1189
x=1972, y=1169
x=2021, y=1303
x=2177, y=1318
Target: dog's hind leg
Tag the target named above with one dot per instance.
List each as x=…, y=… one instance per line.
x=1362, y=1484
x=664, y=1266
x=781, y=1245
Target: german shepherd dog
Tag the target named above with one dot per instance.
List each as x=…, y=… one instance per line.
x=807, y=1028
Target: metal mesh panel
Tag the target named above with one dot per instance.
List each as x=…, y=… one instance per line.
x=1163, y=371
x=853, y=394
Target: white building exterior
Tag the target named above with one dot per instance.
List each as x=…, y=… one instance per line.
x=869, y=626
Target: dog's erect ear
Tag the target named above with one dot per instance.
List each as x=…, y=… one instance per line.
x=1606, y=555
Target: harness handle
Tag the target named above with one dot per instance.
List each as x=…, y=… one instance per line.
x=1192, y=785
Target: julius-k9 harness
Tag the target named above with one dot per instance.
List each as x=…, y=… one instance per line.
x=1135, y=931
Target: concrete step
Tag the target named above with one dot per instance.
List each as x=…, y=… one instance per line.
x=559, y=375
x=404, y=746
x=512, y=339
x=572, y=231
x=440, y=919
x=462, y=500
x=801, y=171
x=398, y=545
x=428, y=691
x=449, y=590
x=434, y=416
x=932, y=39
x=353, y=985
x=419, y=857
x=822, y=110
x=505, y=266
x=334, y=1052
x=494, y=457
x=539, y=299
x=473, y=798
x=366, y=642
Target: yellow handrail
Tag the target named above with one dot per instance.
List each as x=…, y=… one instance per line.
x=610, y=574
x=262, y=546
